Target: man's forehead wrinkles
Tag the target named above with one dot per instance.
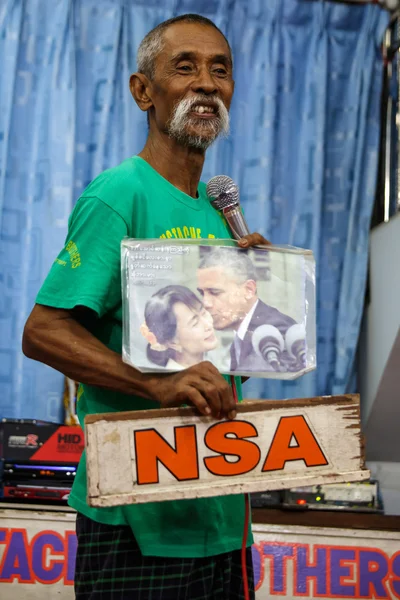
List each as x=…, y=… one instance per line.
x=194, y=42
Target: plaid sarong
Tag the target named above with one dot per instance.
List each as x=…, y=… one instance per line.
x=110, y=566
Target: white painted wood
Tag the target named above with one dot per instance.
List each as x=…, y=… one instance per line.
x=28, y=552
x=112, y=461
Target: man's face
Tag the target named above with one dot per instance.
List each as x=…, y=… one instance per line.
x=223, y=296
x=192, y=86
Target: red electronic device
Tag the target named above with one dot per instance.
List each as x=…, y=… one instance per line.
x=38, y=441
x=38, y=460
x=35, y=492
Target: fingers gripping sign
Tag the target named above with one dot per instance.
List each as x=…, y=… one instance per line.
x=201, y=385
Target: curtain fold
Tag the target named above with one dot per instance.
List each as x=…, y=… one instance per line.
x=303, y=149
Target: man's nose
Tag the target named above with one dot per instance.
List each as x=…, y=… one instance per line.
x=207, y=301
x=204, y=83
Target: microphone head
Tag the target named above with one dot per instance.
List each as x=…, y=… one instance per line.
x=265, y=337
x=268, y=344
x=296, y=342
x=223, y=192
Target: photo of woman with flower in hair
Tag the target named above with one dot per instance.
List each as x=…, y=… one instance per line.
x=178, y=329
x=248, y=313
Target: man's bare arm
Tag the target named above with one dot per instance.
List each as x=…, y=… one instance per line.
x=58, y=338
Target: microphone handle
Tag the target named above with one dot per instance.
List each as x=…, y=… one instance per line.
x=236, y=221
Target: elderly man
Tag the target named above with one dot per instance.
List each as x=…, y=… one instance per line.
x=227, y=281
x=165, y=550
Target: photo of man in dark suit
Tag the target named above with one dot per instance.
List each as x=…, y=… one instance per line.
x=227, y=282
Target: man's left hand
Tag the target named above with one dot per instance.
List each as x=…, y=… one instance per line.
x=253, y=239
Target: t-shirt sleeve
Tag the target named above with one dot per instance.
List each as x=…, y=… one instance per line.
x=87, y=271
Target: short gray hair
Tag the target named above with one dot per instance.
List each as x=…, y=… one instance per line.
x=152, y=43
x=236, y=261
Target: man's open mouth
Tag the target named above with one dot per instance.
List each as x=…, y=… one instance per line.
x=205, y=110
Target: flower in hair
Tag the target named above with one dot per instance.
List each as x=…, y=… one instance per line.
x=151, y=339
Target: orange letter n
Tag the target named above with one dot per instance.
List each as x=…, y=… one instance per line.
x=181, y=461
x=306, y=446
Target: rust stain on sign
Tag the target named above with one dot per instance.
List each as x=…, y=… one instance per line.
x=113, y=437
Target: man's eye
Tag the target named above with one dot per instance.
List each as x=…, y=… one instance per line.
x=221, y=71
x=185, y=68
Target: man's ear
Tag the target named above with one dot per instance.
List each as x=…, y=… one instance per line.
x=250, y=287
x=140, y=87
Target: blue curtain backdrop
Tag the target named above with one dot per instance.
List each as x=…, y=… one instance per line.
x=304, y=145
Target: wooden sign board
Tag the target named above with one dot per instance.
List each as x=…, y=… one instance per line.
x=155, y=455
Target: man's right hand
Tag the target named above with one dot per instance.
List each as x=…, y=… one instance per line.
x=201, y=386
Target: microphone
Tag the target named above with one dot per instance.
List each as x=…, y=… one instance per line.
x=296, y=343
x=268, y=343
x=224, y=196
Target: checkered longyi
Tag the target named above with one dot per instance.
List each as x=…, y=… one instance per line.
x=110, y=566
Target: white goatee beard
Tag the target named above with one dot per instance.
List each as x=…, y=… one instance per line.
x=209, y=129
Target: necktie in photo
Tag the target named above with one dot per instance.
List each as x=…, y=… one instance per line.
x=235, y=352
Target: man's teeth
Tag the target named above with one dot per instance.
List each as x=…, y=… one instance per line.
x=203, y=109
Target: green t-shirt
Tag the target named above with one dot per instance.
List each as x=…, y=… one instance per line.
x=133, y=200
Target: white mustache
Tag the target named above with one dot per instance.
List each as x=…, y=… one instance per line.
x=181, y=117
x=187, y=104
